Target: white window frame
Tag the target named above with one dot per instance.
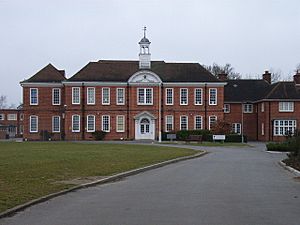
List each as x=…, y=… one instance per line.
x=91, y=96
x=122, y=97
x=262, y=129
x=201, y=96
x=144, y=96
x=195, y=122
x=247, y=108
x=280, y=127
x=237, y=128
x=37, y=96
x=211, y=101
x=262, y=107
x=187, y=122
x=53, y=125
x=172, y=123
x=102, y=123
x=87, y=123
x=2, y=116
x=73, y=96
x=286, y=106
x=21, y=116
x=187, y=96
x=108, y=101
x=12, y=117
x=30, y=124
x=226, y=108
x=170, y=97
x=209, y=121
x=53, y=96
x=117, y=124
x=75, y=131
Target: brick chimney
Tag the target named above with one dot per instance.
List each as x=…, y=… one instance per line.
x=297, y=77
x=62, y=72
x=267, y=76
x=223, y=76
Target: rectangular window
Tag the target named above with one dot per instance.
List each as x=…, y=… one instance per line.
x=262, y=129
x=236, y=128
x=262, y=107
x=75, y=95
x=120, y=123
x=105, y=96
x=55, y=124
x=105, y=123
x=12, y=116
x=198, y=123
x=90, y=96
x=183, y=123
x=226, y=108
x=145, y=96
x=284, y=127
x=212, y=121
x=56, y=96
x=169, y=123
x=120, y=96
x=34, y=96
x=248, y=108
x=2, y=117
x=90, y=120
x=169, y=96
x=213, y=96
x=75, y=123
x=183, y=96
x=286, y=106
x=198, y=96
x=34, y=120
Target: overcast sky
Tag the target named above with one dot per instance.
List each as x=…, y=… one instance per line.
x=250, y=35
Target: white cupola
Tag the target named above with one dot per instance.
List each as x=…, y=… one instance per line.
x=144, y=56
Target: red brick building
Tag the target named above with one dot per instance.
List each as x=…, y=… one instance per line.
x=11, y=123
x=134, y=100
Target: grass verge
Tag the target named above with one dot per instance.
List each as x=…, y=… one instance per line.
x=209, y=144
x=31, y=170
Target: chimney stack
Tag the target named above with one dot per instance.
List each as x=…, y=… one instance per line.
x=222, y=76
x=297, y=77
x=267, y=76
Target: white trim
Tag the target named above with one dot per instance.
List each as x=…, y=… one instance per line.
x=227, y=111
x=263, y=129
x=53, y=89
x=145, y=91
x=195, y=122
x=166, y=118
x=108, y=123
x=27, y=84
x=166, y=93
x=76, y=103
x=105, y=103
x=53, y=124
x=93, y=83
x=37, y=96
x=216, y=97
x=196, y=84
x=87, y=123
x=117, y=103
x=234, y=127
x=87, y=96
x=75, y=131
x=2, y=116
x=187, y=121
x=117, y=130
x=201, y=102
x=12, y=117
x=37, y=124
x=187, y=96
x=250, y=111
x=285, y=108
x=138, y=77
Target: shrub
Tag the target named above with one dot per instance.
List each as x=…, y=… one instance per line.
x=278, y=147
x=235, y=138
x=99, y=135
x=182, y=135
x=45, y=135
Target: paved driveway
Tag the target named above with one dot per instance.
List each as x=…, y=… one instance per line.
x=229, y=186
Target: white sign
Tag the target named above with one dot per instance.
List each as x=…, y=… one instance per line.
x=219, y=137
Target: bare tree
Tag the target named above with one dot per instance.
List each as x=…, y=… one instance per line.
x=298, y=67
x=276, y=76
x=216, y=69
x=3, y=101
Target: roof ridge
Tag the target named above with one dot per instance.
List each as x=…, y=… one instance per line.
x=272, y=90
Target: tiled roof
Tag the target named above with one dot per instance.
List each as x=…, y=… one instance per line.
x=245, y=90
x=121, y=71
x=283, y=90
x=48, y=74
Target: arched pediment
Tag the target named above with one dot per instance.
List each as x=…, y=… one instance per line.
x=144, y=114
x=144, y=76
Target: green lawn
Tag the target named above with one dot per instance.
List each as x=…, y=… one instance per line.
x=210, y=144
x=31, y=170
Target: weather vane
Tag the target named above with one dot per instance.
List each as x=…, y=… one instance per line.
x=145, y=28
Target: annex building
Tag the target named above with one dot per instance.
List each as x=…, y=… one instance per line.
x=133, y=100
